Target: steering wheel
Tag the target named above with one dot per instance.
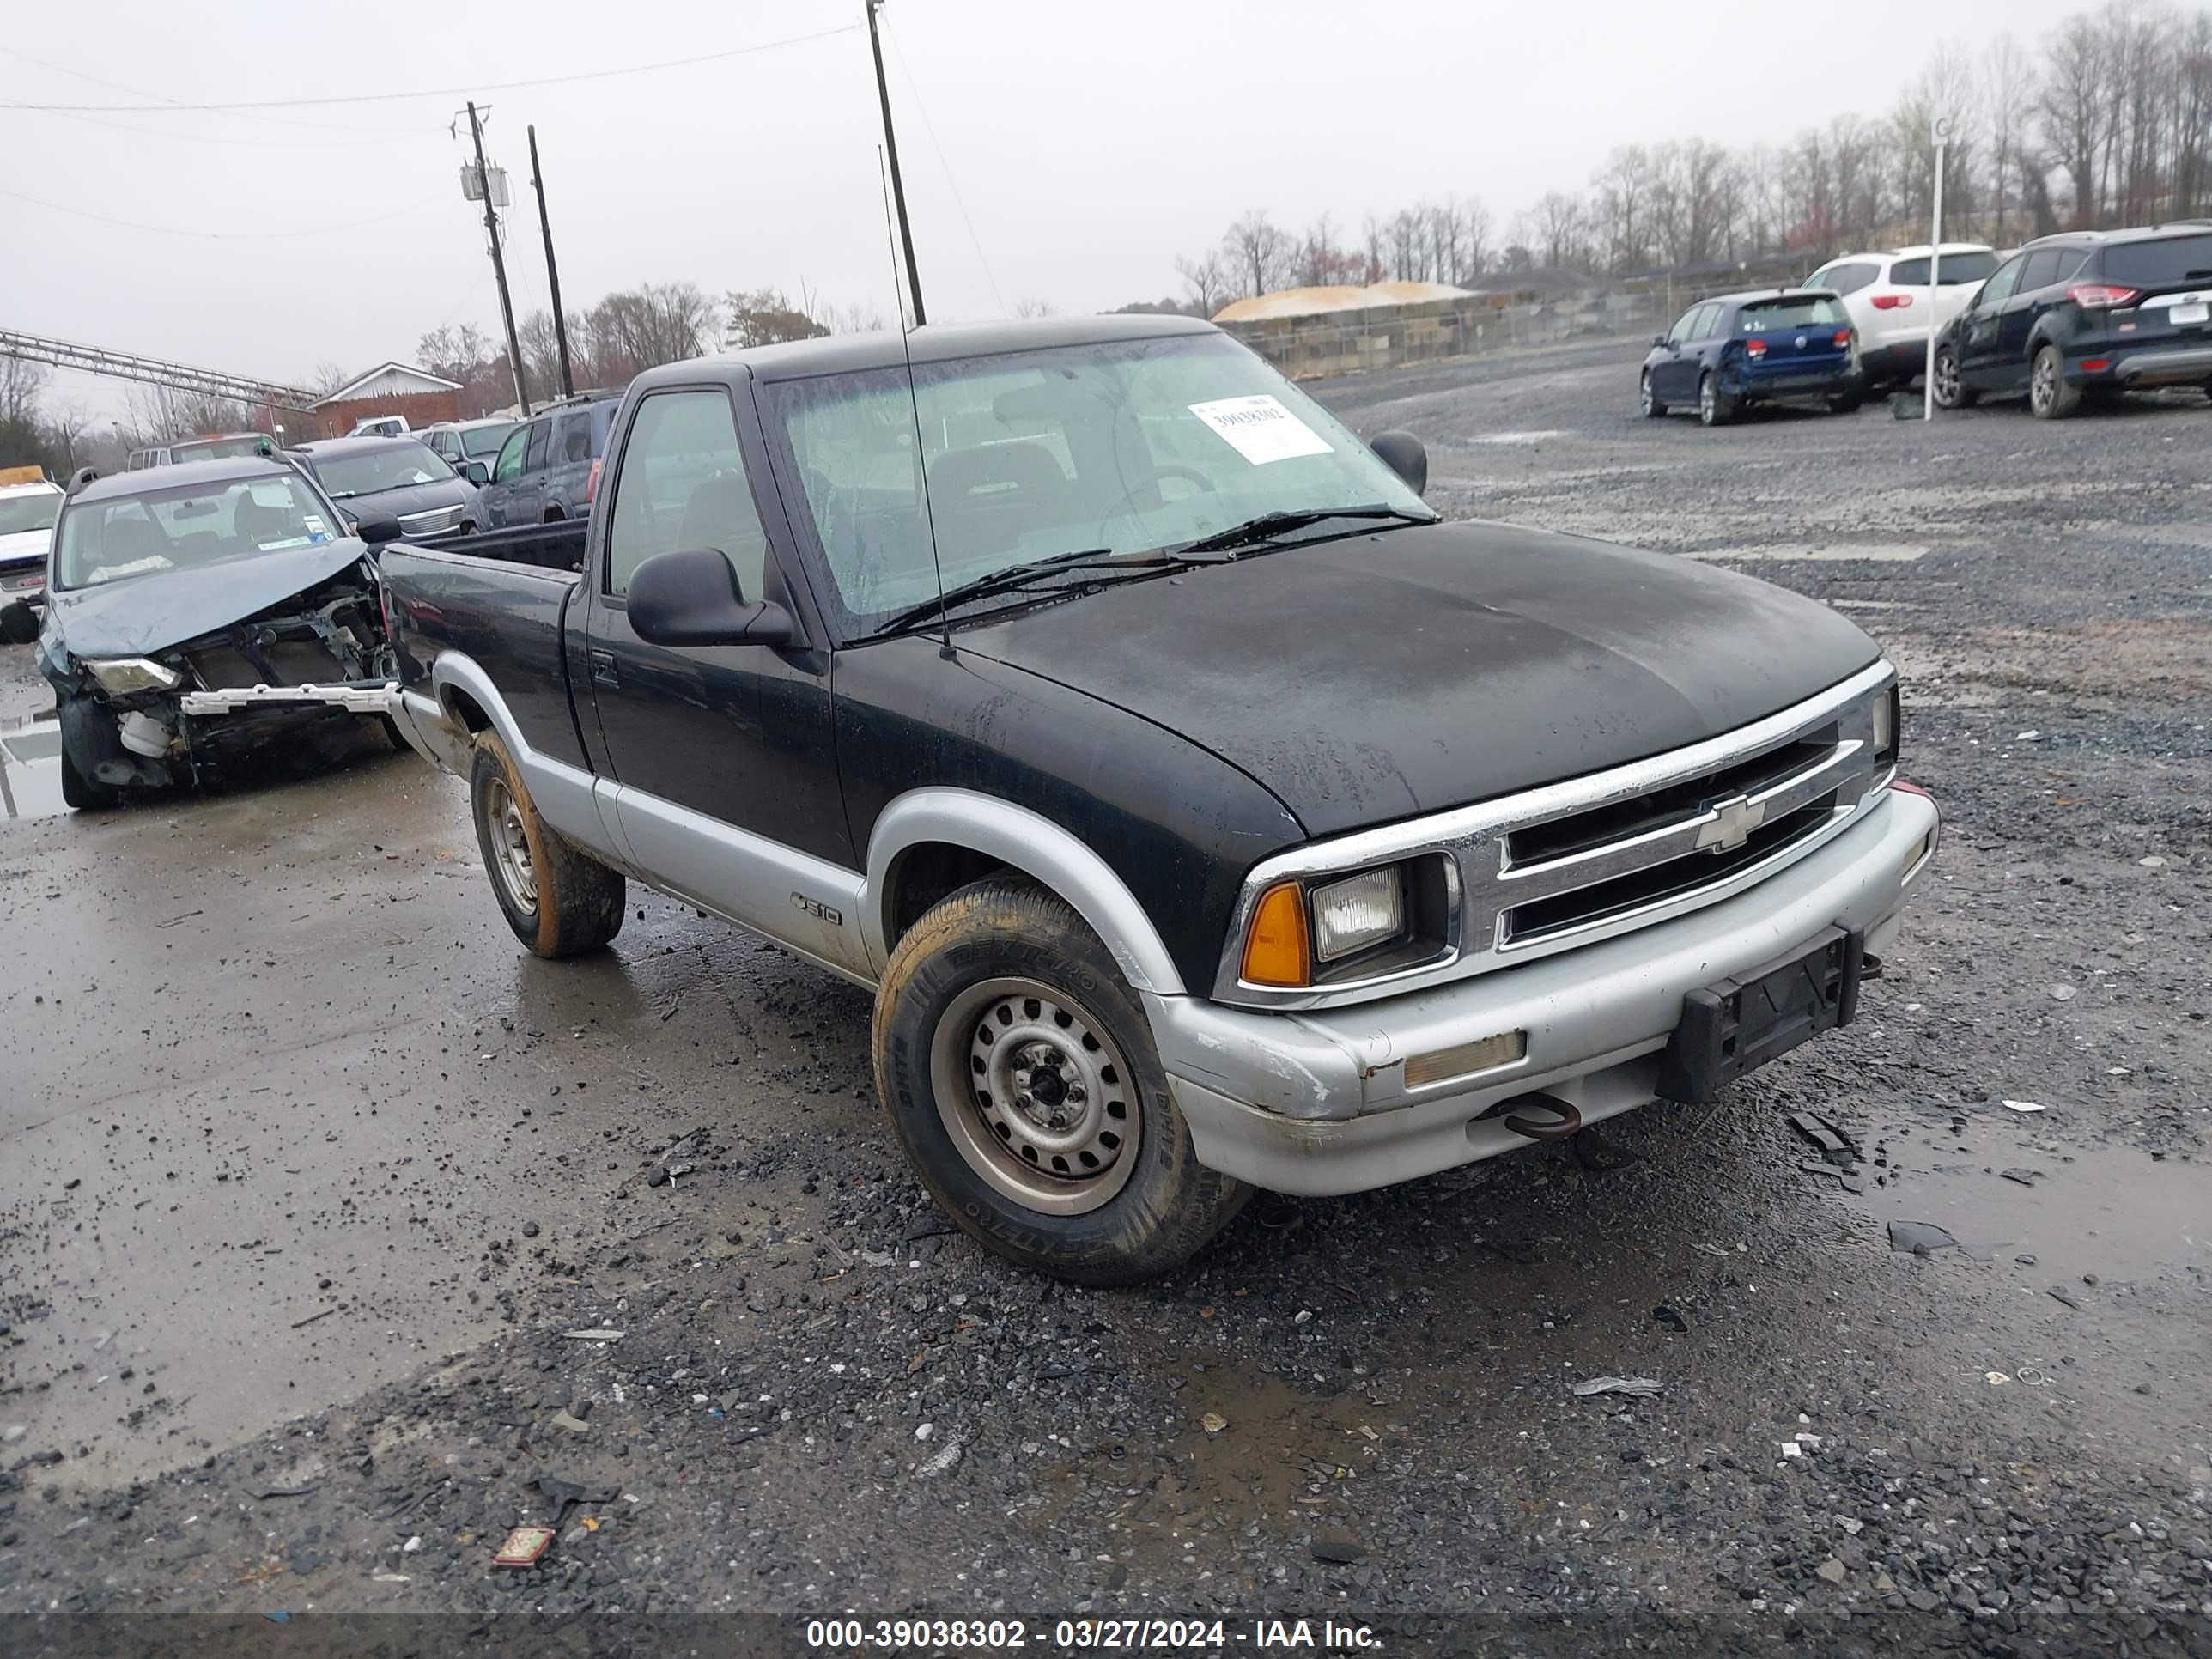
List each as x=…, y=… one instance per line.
x=1127, y=497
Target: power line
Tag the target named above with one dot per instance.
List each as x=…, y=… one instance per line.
x=251, y=141
x=162, y=100
x=929, y=127
x=445, y=91
x=224, y=235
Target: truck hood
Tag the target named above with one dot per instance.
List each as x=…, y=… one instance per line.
x=1384, y=676
x=142, y=614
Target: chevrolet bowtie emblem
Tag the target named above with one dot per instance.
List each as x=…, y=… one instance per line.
x=1733, y=822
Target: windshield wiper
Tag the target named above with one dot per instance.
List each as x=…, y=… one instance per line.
x=1021, y=577
x=1268, y=526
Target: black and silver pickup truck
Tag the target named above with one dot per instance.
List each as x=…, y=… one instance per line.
x=1204, y=812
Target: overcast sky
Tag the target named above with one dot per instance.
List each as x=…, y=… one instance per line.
x=1090, y=141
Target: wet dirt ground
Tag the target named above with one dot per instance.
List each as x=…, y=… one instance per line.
x=309, y=1177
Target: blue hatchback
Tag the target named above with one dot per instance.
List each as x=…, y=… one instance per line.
x=1776, y=346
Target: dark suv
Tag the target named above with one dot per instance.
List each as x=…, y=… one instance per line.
x=2085, y=312
x=544, y=473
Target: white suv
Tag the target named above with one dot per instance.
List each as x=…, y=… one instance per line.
x=1886, y=296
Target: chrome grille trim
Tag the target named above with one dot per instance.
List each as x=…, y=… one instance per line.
x=431, y=521
x=1490, y=883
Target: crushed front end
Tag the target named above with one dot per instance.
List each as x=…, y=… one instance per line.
x=294, y=676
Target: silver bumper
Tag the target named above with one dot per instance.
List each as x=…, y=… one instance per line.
x=2160, y=367
x=361, y=699
x=1317, y=1102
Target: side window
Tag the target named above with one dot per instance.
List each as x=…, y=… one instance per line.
x=2041, y=271
x=573, y=440
x=508, y=467
x=535, y=460
x=1706, y=322
x=681, y=483
x=2070, y=262
x=1680, y=332
x=2000, y=286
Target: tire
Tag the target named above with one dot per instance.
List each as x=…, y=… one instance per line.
x=392, y=734
x=79, y=793
x=2048, y=395
x=560, y=901
x=1715, y=407
x=1844, y=403
x=1952, y=391
x=991, y=983
x=1652, y=408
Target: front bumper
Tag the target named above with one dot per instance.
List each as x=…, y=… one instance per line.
x=373, y=698
x=1317, y=1102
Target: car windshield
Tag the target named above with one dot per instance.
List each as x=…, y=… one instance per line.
x=33, y=509
x=1956, y=270
x=186, y=528
x=1796, y=311
x=2167, y=261
x=1121, y=448
x=478, y=441
x=220, y=449
x=395, y=466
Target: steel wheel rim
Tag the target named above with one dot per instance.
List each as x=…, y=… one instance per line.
x=1036, y=1095
x=510, y=846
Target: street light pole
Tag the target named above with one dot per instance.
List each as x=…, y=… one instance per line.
x=890, y=150
x=498, y=264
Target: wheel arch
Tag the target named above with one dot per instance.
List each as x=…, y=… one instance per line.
x=942, y=834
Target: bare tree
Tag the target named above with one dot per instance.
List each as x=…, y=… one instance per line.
x=1034, y=307
x=1623, y=208
x=1558, y=228
x=637, y=329
x=2070, y=108
x=1259, y=252
x=1206, y=282
x=2008, y=89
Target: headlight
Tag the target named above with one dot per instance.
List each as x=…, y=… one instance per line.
x=123, y=675
x=1366, y=909
x=1885, y=728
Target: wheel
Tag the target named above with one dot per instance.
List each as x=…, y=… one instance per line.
x=1713, y=407
x=392, y=734
x=1951, y=390
x=1020, y=1078
x=1652, y=408
x=560, y=902
x=79, y=793
x=2048, y=395
x=1844, y=403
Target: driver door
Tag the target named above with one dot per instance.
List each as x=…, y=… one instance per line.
x=1979, y=330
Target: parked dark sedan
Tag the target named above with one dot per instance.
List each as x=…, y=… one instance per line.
x=2082, y=313
x=1774, y=346
x=399, y=476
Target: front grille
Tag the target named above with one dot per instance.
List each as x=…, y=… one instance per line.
x=1657, y=884
x=435, y=521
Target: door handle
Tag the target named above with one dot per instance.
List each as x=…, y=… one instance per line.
x=602, y=668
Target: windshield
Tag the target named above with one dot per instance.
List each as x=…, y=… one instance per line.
x=478, y=441
x=1956, y=272
x=2166, y=262
x=1123, y=447
x=1799, y=311
x=186, y=528
x=220, y=449
x=369, y=470
x=34, y=509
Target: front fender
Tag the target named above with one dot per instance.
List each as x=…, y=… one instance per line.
x=1031, y=843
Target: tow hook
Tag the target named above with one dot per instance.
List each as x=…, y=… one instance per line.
x=1565, y=1120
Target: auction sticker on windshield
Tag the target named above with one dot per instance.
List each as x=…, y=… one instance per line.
x=1261, y=428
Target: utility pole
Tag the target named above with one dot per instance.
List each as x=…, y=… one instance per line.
x=552, y=270
x=1942, y=136
x=890, y=148
x=498, y=263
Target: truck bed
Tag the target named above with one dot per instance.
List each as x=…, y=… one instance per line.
x=548, y=546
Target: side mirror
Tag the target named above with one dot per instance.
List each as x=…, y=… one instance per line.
x=1659, y=339
x=1405, y=455
x=691, y=599
x=19, y=623
x=475, y=473
x=377, y=528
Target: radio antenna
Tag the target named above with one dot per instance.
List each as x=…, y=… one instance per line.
x=914, y=402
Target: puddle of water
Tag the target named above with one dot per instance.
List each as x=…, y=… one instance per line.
x=1788, y=552
x=2110, y=1211
x=1545, y=436
x=31, y=771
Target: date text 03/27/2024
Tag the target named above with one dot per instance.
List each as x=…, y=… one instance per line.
x=1107, y=1635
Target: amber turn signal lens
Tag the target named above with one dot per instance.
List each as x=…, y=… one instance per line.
x=1277, y=950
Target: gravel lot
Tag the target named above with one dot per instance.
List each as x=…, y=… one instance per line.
x=308, y=1177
